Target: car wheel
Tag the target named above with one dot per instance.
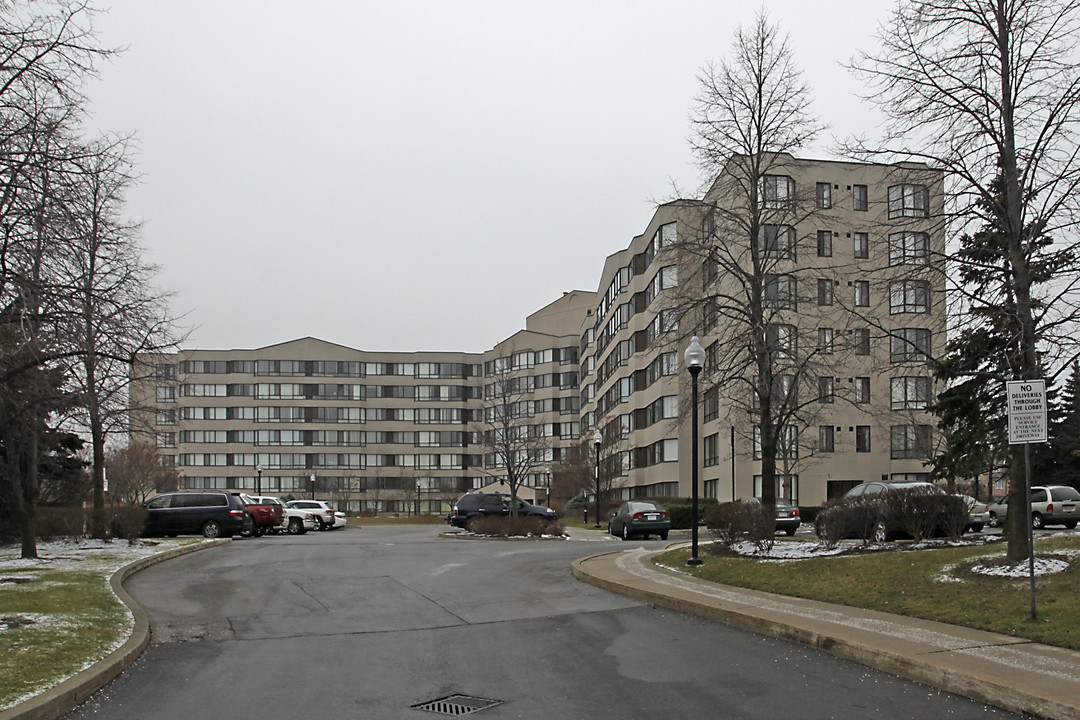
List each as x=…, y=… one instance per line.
x=211, y=529
x=1037, y=521
x=259, y=530
x=977, y=527
x=1071, y=525
x=610, y=530
x=663, y=535
x=879, y=533
x=789, y=531
x=319, y=524
x=994, y=522
x=470, y=524
x=296, y=526
x=625, y=533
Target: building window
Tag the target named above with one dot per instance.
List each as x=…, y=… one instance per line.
x=909, y=248
x=825, y=340
x=780, y=340
x=910, y=442
x=824, y=292
x=824, y=243
x=711, y=450
x=166, y=417
x=823, y=196
x=862, y=341
x=165, y=393
x=908, y=201
x=826, y=389
x=777, y=191
x=860, y=198
x=910, y=393
x=862, y=438
x=711, y=404
x=909, y=296
x=862, y=246
x=862, y=390
x=779, y=291
x=909, y=345
x=826, y=438
x=165, y=372
x=777, y=242
x=862, y=293
x=166, y=440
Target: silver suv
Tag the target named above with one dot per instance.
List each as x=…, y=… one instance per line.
x=1050, y=505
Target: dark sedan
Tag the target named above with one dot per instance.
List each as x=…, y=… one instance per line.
x=640, y=518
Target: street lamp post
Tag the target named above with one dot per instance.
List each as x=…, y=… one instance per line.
x=597, y=440
x=417, y=498
x=312, y=479
x=695, y=360
x=547, y=495
x=258, y=479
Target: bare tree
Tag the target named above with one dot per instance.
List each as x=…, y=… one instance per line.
x=117, y=315
x=752, y=112
x=136, y=472
x=515, y=446
x=48, y=51
x=989, y=91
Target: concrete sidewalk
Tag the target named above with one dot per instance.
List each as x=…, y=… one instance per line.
x=1008, y=672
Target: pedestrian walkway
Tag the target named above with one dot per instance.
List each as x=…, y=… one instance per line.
x=1008, y=672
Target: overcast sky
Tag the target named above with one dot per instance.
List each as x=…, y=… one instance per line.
x=419, y=175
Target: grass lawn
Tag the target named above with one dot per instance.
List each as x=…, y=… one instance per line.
x=933, y=583
x=58, y=614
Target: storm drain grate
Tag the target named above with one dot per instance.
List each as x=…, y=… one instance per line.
x=457, y=705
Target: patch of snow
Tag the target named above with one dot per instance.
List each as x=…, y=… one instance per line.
x=1022, y=569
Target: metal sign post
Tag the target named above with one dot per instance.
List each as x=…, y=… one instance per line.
x=1027, y=424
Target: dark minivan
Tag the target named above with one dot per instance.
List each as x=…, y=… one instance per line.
x=211, y=514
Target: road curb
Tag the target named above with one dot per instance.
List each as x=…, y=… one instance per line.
x=911, y=667
x=63, y=698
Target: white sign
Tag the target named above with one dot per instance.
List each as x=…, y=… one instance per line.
x=1027, y=411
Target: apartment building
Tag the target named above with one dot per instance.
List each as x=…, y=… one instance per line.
x=840, y=286
x=815, y=289
x=380, y=431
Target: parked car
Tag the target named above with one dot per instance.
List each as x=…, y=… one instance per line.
x=212, y=514
x=1050, y=505
x=295, y=521
x=881, y=523
x=1055, y=505
x=325, y=519
x=639, y=517
x=266, y=516
x=996, y=511
x=475, y=505
x=788, y=518
x=976, y=513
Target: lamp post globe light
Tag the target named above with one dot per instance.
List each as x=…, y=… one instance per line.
x=597, y=439
x=312, y=479
x=695, y=360
x=258, y=479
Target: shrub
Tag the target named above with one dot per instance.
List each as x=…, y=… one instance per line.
x=54, y=523
x=521, y=526
x=127, y=522
x=733, y=522
x=843, y=518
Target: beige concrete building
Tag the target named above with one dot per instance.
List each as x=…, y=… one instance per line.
x=846, y=265
x=369, y=430
x=841, y=283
